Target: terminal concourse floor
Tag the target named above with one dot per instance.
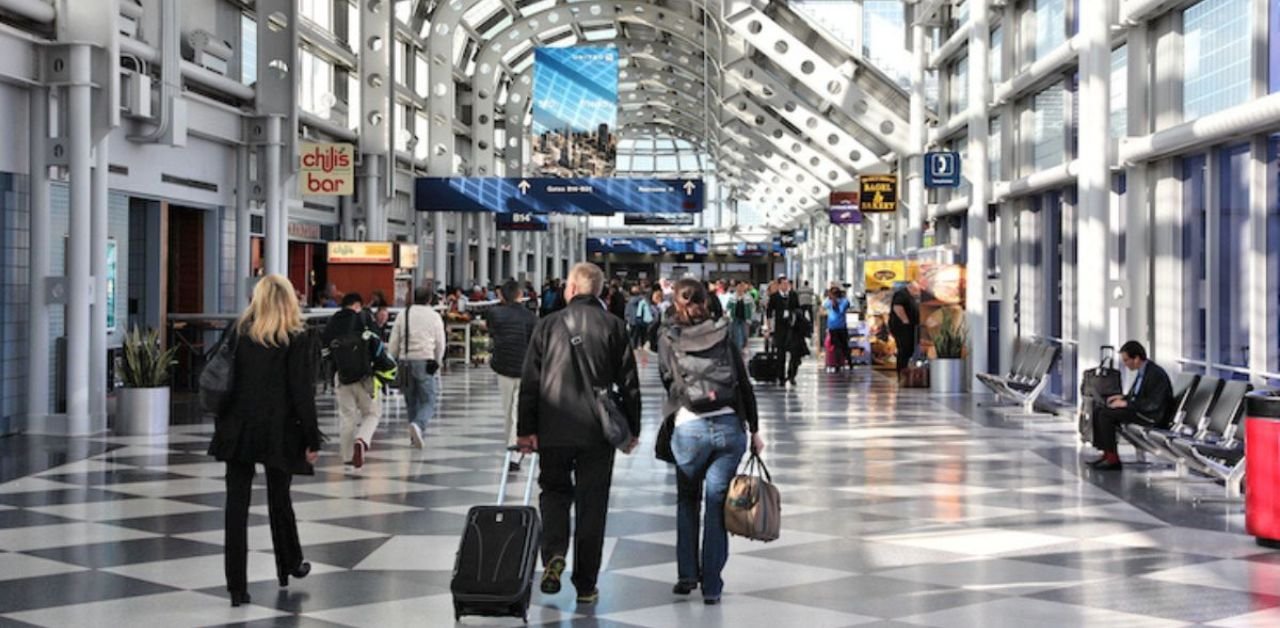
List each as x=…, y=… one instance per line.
x=899, y=509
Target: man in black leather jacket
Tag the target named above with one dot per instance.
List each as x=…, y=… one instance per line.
x=1149, y=400
x=510, y=328
x=557, y=420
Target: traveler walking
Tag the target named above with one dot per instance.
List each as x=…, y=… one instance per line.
x=641, y=314
x=790, y=329
x=558, y=419
x=354, y=346
x=904, y=322
x=417, y=344
x=510, y=328
x=742, y=309
x=269, y=419
x=709, y=403
x=836, y=307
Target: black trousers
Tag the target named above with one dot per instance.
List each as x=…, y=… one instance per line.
x=284, y=528
x=840, y=342
x=1107, y=422
x=579, y=477
x=906, y=342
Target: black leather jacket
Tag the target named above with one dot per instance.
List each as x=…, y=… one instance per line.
x=554, y=402
x=510, y=328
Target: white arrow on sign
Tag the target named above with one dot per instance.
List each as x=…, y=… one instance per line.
x=524, y=187
x=689, y=187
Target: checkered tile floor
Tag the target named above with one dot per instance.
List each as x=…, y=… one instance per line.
x=900, y=509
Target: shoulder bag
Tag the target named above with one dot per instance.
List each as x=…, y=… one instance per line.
x=753, y=505
x=403, y=378
x=219, y=375
x=606, y=403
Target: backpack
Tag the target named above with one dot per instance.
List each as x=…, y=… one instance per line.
x=703, y=363
x=351, y=356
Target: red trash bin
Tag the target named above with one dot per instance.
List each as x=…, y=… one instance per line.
x=1262, y=467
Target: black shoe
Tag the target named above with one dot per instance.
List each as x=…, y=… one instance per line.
x=298, y=572
x=684, y=588
x=711, y=601
x=1095, y=463
x=1109, y=466
x=513, y=467
x=240, y=599
x=551, y=576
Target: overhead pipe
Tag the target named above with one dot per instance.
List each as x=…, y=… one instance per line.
x=1051, y=64
x=951, y=46
x=1136, y=12
x=188, y=70
x=1057, y=176
x=34, y=10
x=170, y=74
x=1240, y=120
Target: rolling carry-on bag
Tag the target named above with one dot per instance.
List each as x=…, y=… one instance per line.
x=765, y=366
x=1100, y=383
x=493, y=575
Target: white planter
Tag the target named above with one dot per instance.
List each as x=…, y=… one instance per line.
x=143, y=411
x=947, y=375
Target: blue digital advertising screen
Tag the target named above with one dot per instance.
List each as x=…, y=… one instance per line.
x=599, y=196
x=575, y=111
x=654, y=246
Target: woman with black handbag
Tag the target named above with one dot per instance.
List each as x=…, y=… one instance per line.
x=709, y=408
x=269, y=418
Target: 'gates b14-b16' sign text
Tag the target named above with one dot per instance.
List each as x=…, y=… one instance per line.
x=326, y=169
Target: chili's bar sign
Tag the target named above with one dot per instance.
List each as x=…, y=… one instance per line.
x=326, y=169
x=879, y=193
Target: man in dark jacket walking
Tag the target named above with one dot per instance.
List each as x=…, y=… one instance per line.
x=358, y=412
x=557, y=420
x=510, y=328
x=1149, y=401
x=790, y=329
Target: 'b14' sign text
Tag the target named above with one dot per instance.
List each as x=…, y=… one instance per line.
x=326, y=169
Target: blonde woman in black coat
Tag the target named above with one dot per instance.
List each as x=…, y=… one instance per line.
x=270, y=420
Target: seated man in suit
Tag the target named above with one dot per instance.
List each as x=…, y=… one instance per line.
x=1149, y=400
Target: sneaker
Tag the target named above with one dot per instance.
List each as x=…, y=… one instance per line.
x=415, y=436
x=357, y=456
x=551, y=576
x=590, y=597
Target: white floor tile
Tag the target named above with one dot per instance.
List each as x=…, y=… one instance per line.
x=323, y=509
x=19, y=566
x=169, y=488
x=310, y=533
x=428, y=611
x=974, y=542
x=1026, y=613
x=204, y=572
x=185, y=609
x=1237, y=575
x=63, y=535
x=745, y=573
x=363, y=487
x=1269, y=618
x=737, y=611
x=413, y=553
x=120, y=509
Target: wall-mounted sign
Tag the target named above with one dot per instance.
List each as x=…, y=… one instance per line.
x=843, y=208
x=601, y=196
x=326, y=169
x=520, y=221
x=942, y=170
x=657, y=220
x=787, y=239
x=361, y=253
x=879, y=193
x=304, y=231
x=845, y=216
x=408, y=256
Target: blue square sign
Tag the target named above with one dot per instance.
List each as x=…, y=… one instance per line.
x=942, y=170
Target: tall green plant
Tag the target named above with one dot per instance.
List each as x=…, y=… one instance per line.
x=146, y=364
x=952, y=336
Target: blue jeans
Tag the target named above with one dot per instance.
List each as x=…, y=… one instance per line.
x=738, y=331
x=422, y=394
x=707, y=451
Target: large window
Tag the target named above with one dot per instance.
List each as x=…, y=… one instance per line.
x=883, y=38
x=1119, y=92
x=996, y=65
x=1049, y=135
x=1216, y=56
x=994, y=149
x=320, y=12
x=248, y=50
x=1230, y=287
x=315, y=86
x=959, y=87
x=1051, y=26
x=1194, y=226
x=1274, y=33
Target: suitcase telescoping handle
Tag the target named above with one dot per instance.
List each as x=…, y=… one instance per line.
x=528, y=486
x=1107, y=356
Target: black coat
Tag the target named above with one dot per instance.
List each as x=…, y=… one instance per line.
x=271, y=418
x=791, y=324
x=1155, y=398
x=510, y=328
x=554, y=402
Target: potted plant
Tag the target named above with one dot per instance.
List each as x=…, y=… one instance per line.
x=145, y=368
x=950, y=342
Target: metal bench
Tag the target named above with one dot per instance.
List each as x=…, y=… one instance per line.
x=1027, y=378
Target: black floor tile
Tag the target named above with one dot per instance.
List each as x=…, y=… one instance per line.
x=104, y=555
x=71, y=588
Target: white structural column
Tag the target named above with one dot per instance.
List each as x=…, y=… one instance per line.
x=1094, y=181
x=463, y=255
x=516, y=267
x=38, y=309
x=375, y=219
x=100, y=210
x=440, y=244
x=243, y=218
x=276, y=241
x=1138, y=216
x=980, y=187
x=484, y=222
x=540, y=258
x=79, y=133
x=851, y=258
x=833, y=255
x=915, y=184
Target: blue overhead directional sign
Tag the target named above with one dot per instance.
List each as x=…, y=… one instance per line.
x=942, y=170
x=601, y=196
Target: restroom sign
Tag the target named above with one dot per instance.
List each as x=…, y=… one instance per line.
x=879, y=193
x=326, y=169
x=942, y=170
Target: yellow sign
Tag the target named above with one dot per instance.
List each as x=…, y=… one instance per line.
x=361, y=253
x=879, y=193
x=326, y=169
x=882, y=273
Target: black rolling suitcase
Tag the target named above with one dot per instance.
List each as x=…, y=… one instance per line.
x=493, y=575
x=765, y=366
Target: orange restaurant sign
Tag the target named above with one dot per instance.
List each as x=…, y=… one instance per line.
x=361, y=253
